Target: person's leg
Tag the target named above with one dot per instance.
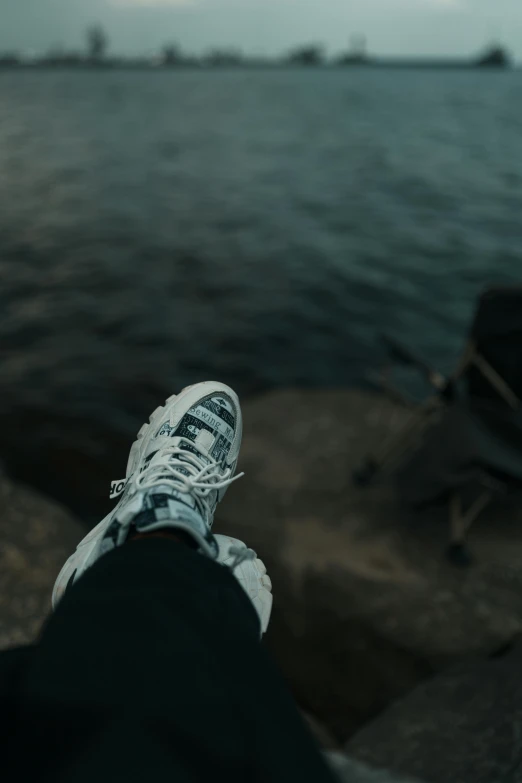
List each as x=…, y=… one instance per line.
x=151, y=669
x=13, y=667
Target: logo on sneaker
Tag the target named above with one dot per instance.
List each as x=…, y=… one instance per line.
x=192, y=429
x=225, y=404
x=166, y=429
x=118, y=487
x=214, y=422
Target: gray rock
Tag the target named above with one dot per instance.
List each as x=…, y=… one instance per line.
x=464, y=726
x=36, y=537
x=350, y=771
x=321, y=734
x=366, y=605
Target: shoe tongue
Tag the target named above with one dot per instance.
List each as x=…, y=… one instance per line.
x=203, y=438
x=201, y=447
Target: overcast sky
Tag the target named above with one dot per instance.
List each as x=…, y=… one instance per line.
x=405, y=27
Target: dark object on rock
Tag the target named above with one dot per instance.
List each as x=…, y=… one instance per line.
x=470, y=430
x=463, y=727
x=471, y=457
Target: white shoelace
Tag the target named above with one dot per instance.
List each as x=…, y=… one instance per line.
x=203, y=478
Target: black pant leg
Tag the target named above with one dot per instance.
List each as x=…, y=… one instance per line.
x=151, y=667
x=13, y=666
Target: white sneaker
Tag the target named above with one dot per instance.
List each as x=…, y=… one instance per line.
x=178, y=470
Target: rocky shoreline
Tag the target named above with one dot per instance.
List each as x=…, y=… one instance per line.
x=381, y=640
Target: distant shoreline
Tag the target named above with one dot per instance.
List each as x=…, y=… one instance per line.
x=369, y=65
x=98, y=55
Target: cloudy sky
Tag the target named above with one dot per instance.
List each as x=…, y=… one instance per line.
x=406, y=27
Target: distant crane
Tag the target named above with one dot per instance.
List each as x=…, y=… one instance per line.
x=97, y=43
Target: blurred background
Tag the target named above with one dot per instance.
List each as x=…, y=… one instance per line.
x=242, y=190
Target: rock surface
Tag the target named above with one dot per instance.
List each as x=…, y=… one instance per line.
x=366, y=605
x=350, y=771
x=465, y=726
x=323, y=737
x=36, y=537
